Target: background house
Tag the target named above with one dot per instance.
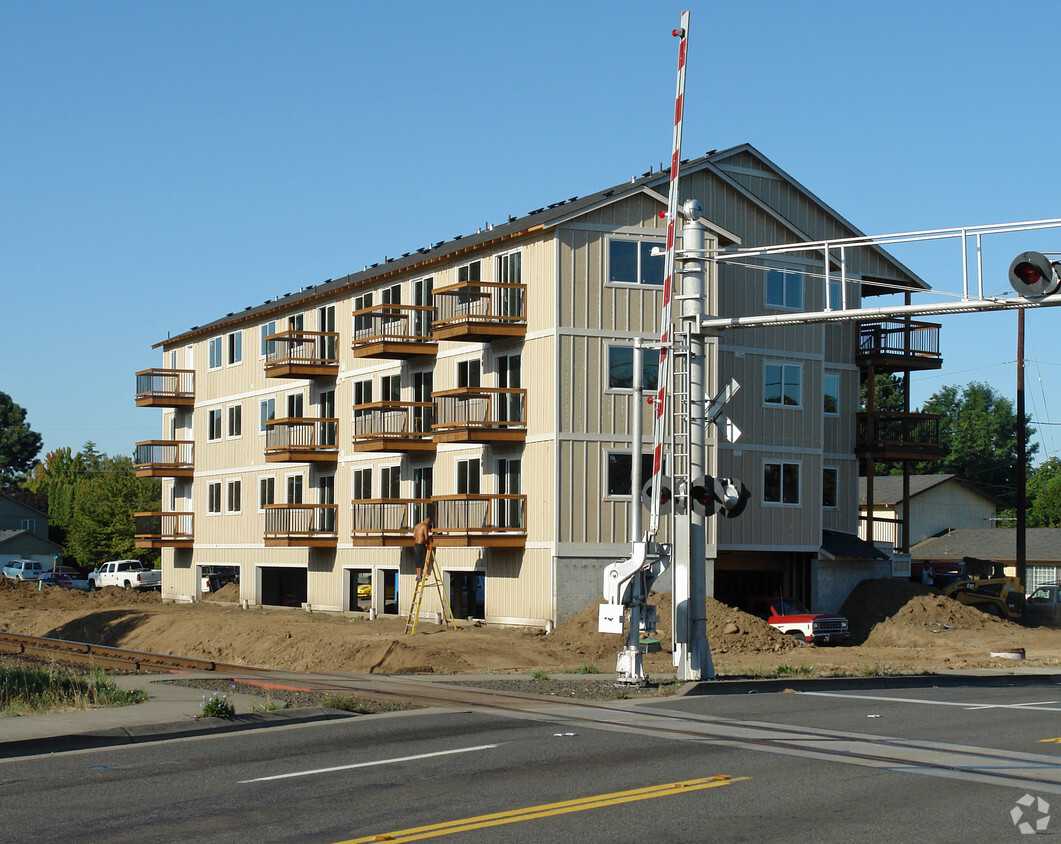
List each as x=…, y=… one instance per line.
x=24, y=534
x=1042, y=553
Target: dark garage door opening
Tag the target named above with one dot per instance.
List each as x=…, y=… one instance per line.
x=283, y=587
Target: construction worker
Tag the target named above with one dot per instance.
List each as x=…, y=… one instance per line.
x=421, y=542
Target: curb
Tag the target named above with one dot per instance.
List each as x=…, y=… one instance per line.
x=906, y=681
x=155, y=732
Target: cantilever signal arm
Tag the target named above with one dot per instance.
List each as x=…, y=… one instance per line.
x=648, y=557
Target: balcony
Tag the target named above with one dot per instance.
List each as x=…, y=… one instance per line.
x=387, y=521
x=165, y=459
x=302, y=354
x=394, y=331
x=483, y=521
x=163, y=530
x=165, y=388
x=480, y=415
x=393, y=426
x=301, y=441
x=300, y=526
x=893, y=345
x=479, y=311
x=898, y=436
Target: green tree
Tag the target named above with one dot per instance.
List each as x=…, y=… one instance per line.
x=888, y=397
x=19, y=444
x=101, y=527
x=57, y=477
x=978, y=436
x=1044, y=495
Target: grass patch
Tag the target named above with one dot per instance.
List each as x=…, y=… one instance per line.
x=349, y=703
x=540, y=674
x=32, y=690
x=794, y=671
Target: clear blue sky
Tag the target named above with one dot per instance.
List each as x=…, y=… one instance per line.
x=166, y=163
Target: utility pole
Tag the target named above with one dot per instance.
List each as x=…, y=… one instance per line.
x=1022, y=461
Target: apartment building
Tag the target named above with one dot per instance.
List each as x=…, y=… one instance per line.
x=487, y=381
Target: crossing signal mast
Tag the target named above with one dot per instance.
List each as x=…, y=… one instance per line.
x=688, y=356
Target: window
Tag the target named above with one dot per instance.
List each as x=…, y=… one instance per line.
x=831, y=393
x=781, y=483
x=782, y=384
x=215, y=352
x=28, y=524
x=362, y=322
x=468, y=474
x=784, y=288
x=327, y=346
x=266, y=492
x=326, y=410
x=294, y=406
x=213, y=497
x=632, y=262
x=235, y=347
x=296, y=322
x=213, y=424
x=469, y=373
x=362, y=483
x=470, y=272
x=294, y=489
x=617, y=483
x=266, y=412
x=390, y=388
x=235, y=420
x=621, y=368
x=509, y=272
x=233, y=493
x=268, y=346
x=390, y=478
x=830, y=481
x=834, y=293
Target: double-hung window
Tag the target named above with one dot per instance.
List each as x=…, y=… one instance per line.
x=215, y=353
x=783, y=384
x=784, y=288
x=781, y=483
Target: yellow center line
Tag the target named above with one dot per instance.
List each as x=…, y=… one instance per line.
x=547, y=810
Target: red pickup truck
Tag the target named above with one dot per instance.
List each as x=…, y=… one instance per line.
x=790, y=616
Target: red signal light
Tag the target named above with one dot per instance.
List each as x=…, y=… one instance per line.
x=1027, y=273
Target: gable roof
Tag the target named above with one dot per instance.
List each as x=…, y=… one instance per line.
x=999, y=544
x=888, y=489
x=654, y=183
x=847, y=546
x=27, y=542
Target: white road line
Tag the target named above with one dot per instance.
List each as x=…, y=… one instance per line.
x=371, y=764
x=1029, y=706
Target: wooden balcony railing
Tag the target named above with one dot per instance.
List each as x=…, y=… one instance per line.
x=898, y=436
x=165, y=388
x=394, y=331
x=163, y=530
x=899, y=345
x=301, y=440
x=480, y=414
x=492, y=521
x=300, y=525
x=302, y=354
x=393, y=426
x=165, y=459
x=480, y=311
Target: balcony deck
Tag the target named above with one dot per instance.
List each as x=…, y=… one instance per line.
x=898, y=436
x=479, y=311
x=302, y=354
x=893, y=345
x=165, y=388
x=482, y=521
x=394, y=332
x=301, y=440
x=393, y=426
x=165, y=459
x=163, y=530
x=480, y=415
x=300, y=526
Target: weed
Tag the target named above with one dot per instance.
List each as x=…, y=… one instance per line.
x=347, y=703
x=539, y=674
x=589, y=668
x=37, y=689
x=217, y=706
x=270, y=705
x=790, y=671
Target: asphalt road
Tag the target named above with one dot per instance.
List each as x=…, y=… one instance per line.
x=910, y=765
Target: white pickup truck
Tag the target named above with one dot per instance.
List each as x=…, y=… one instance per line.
x=128, y=574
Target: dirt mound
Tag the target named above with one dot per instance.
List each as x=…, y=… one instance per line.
x=874, y=601
x=229, y=593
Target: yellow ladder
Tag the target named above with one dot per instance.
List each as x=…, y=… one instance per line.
x=432, y=572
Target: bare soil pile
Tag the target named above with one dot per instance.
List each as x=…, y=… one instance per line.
x=902, y=627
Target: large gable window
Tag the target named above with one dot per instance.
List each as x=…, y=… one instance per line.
x=632, y=262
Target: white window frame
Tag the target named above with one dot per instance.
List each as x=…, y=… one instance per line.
x=234, y=488
x=646, y=472
x=785, y=367
x=215, y=420
x=358, y=480
x=234, y=348
x=463, y=472
x=835, y=378
x=644, y=246
x=213, y=498
x=798, y=466
x=835, y=471
x=266, y=483
x=388, y=473
x=262, y=417
x=267, y=329
x=294, y=482
x=215, y=353
x=648, y=366
x=234, y=412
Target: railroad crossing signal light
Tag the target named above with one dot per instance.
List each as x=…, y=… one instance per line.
x=1034, y=276
x=726, y=497
x=665, y=495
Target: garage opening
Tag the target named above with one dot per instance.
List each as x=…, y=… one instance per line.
x=467, y=594
x=737, y=588
x=387, y=579
x=283, y=587
x=360, y=589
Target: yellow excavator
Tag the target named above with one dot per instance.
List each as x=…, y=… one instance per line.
x=984, y=584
